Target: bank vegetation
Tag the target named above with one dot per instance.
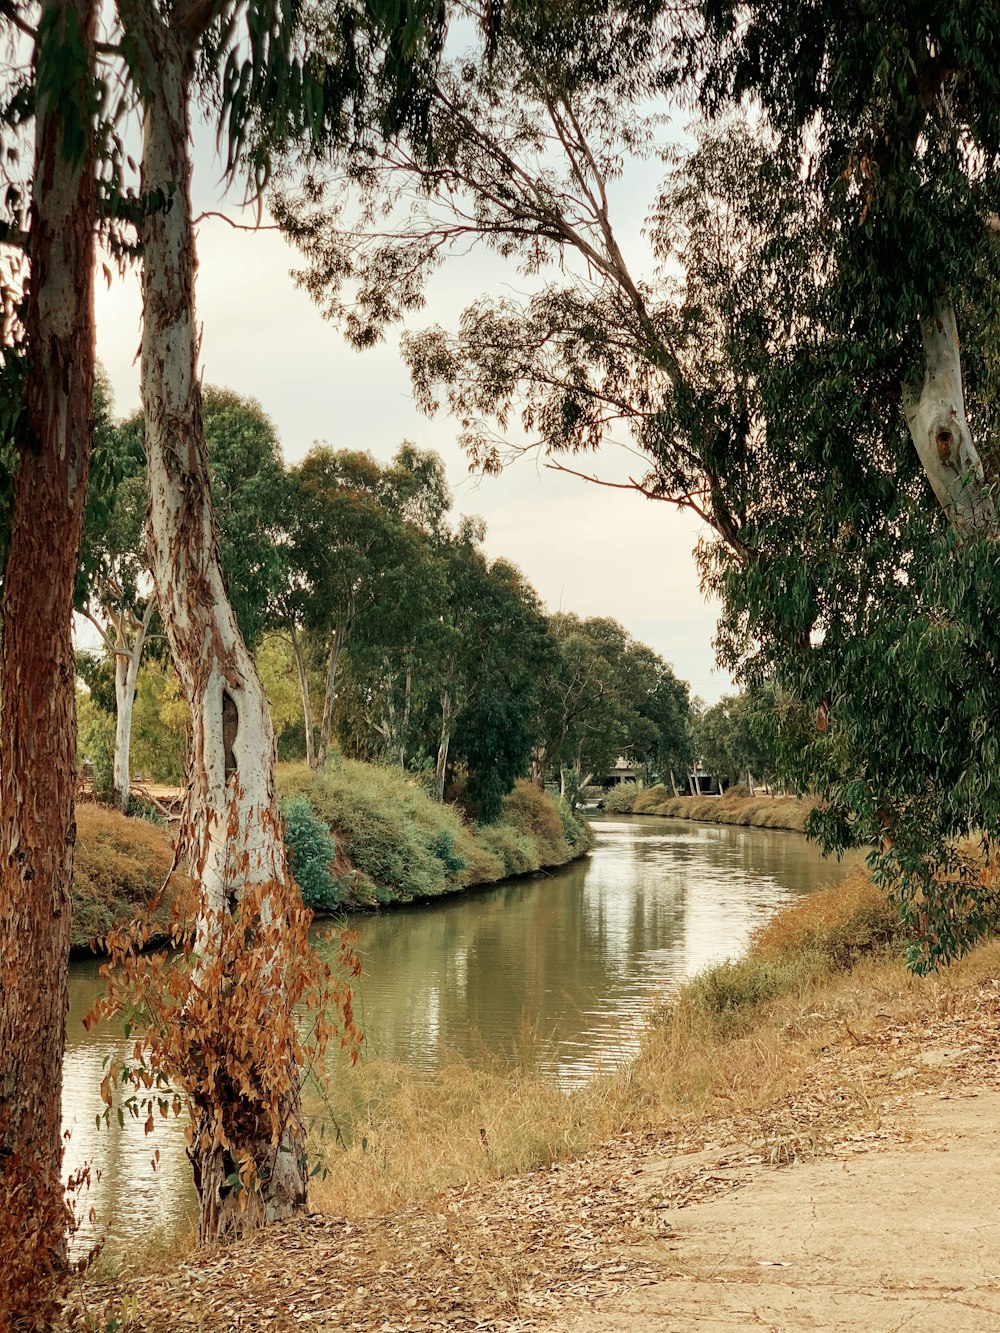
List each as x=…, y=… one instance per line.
x=736, y=806
x=358, y=836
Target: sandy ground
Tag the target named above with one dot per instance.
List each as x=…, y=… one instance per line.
x=866, y=1200
x=903, y=1238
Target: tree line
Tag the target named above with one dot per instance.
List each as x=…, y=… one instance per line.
x=808, y=363
x=382, y=629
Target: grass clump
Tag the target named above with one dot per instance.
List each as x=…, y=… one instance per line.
x=119, y=865
x=840, y=926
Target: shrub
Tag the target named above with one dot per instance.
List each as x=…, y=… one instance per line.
x=621, y=800
x=443, y=848
x=648, y=798
x=310, y=855
x=841, y=925
x=119, y=865
x=736, y=985
x=575, y=831
x=516, y=852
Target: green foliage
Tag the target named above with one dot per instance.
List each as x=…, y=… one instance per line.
x=574, y=830
x=96, y=745
x=387, y=828
x=621, y=799
x=729, y=988
x=310, y=855
x=443, y=848
x=138, y=808
x=398, y=844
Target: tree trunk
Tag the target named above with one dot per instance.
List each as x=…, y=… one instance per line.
x=300, y=667
x=127, y=661
x=232, y=823
x=407, y=704
x=37, y=678
x=337, y=641
x=935, y=414
x=441, y=770
x=673, y=784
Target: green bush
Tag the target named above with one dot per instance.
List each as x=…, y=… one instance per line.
x=621, y=800
x=310, y=855
x=394, y=843
x=443, y=848
x=139, y=808
x=575, y=831
x=515, y=851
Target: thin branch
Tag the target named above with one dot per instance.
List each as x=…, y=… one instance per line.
x=686, y=501
x=236, y=226
x=9, y=10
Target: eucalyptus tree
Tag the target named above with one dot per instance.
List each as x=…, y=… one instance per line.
x=353, y=528
x=254, y=62
x=114, y=591
x=47, y=378
x=886, y=423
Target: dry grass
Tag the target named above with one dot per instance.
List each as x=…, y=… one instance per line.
x=118, y=866
x=734, y=1040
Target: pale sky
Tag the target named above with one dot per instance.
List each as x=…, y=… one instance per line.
x=586, y=549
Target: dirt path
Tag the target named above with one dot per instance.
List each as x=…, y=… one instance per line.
x=903, y=1238
x=867, y=1200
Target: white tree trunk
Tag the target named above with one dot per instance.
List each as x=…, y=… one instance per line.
x=441, y=769
x=232, y=822
x=337, y=642
x=128, y=658
x=935, y=414
x=300, y=667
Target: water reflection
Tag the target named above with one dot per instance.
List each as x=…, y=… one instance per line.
x=557, y=971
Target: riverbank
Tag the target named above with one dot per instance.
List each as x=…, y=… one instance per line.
x=784, y=1112
x=734, y=807
x=359, y=837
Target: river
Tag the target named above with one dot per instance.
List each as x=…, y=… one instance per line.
x=556, y=971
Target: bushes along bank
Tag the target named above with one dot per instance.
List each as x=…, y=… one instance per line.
x=358, y=836
x=735, y=807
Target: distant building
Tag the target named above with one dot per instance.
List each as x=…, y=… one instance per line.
x=623, y=771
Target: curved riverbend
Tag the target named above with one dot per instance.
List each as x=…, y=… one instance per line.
x=557, y=972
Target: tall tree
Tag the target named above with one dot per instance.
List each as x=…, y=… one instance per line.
x=114, y=590
x=232, y=822
x=38, y=774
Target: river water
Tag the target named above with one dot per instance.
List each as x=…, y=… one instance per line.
x=556, y=971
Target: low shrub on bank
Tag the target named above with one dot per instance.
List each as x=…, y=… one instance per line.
x=621, y=800
x=394, y=844
x=119, y=865
x=649, y=798
x=777, y=812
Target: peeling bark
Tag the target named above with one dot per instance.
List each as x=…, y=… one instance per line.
x=935, y=415
x=37, y=693
x=232, y=820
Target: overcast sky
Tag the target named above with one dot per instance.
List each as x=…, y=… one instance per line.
x=585, y=548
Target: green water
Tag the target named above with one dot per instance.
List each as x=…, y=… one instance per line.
x=556, y=971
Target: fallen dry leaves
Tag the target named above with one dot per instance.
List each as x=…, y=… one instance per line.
x=509, y=1255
